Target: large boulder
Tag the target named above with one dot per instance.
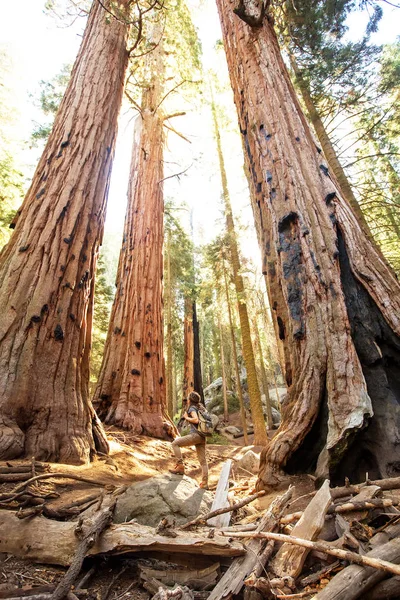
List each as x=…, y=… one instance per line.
x=250, y=461
x=168, y=495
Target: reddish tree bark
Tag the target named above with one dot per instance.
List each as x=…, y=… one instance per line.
x=131, y=388
x=47, y=269
x=336, y=303
x=188, y=346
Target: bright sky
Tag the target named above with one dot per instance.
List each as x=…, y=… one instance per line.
x=39, y=48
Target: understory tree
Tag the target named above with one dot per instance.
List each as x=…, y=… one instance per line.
x=47, y=269
x=260, y=432
x=335, y=301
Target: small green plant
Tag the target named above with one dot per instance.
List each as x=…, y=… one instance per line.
x=217, y=438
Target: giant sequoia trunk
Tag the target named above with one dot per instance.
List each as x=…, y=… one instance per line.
x=47, y=269
x=327, y=147
x=336, y=304
x=131, y=388
x=188, y=349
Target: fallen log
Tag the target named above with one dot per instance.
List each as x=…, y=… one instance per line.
x=376, y=563
x=354, y=581
x=385, y=590
x=29, y=539
x=221, y=511
x=232, y=582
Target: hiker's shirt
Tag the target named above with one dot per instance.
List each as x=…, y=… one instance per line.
x=192, y=412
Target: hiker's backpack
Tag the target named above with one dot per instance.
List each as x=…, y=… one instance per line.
x=205, y=426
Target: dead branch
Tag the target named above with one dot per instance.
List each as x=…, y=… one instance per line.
x=221, y=511
x=392, y=483
x=13, y=493
x=348, y=507
x=325, y=548
x=89, y=530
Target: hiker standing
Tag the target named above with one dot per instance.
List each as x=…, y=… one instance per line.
x=194, y=438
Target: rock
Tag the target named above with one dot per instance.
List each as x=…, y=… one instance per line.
x=215, y=421
x=250, y=461
x=276, y=416
x=276, y=399
x=231, y=430
x=212, y=390
x=165, y=496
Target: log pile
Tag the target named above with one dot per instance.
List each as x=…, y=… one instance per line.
x=344, y=545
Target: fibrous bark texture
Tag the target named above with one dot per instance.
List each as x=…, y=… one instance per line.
x=335, y=302
x=198, y=380
x=47, y=269
x=131, y=388
x=188, y=344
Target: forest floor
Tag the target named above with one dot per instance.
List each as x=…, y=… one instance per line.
x=132, y=458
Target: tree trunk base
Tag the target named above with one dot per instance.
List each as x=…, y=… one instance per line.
x=12, y=439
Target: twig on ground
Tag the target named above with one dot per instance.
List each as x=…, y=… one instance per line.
x=221, y=511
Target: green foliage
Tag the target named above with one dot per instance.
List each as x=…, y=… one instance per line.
x=11, y=177
x=51, y=94
x=218, y=439
x=103, y=298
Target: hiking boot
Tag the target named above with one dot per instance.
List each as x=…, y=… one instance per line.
x=204, y=485
x=179, y=469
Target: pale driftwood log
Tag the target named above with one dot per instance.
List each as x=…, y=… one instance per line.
x=290, y=559
x=210, y=516
x=221, y=498
x=325, y=548
x=232, y=582
x=29, y=539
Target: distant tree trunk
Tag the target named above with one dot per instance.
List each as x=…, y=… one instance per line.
x=263, y=372
x=224, y=388
x=47, y=269
x=188, y=343
x=197, y=378
x=169, y=371
x=327, y=147
x=235, y=360
x=260, y=432
x=131, y=388
x=335, y=301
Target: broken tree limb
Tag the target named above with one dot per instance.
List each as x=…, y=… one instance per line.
x=325, y=548
x=232, y=582
x=221, y=511
x=290, y=559
x=348, y=507
x=392, y=483
x=29, y=539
